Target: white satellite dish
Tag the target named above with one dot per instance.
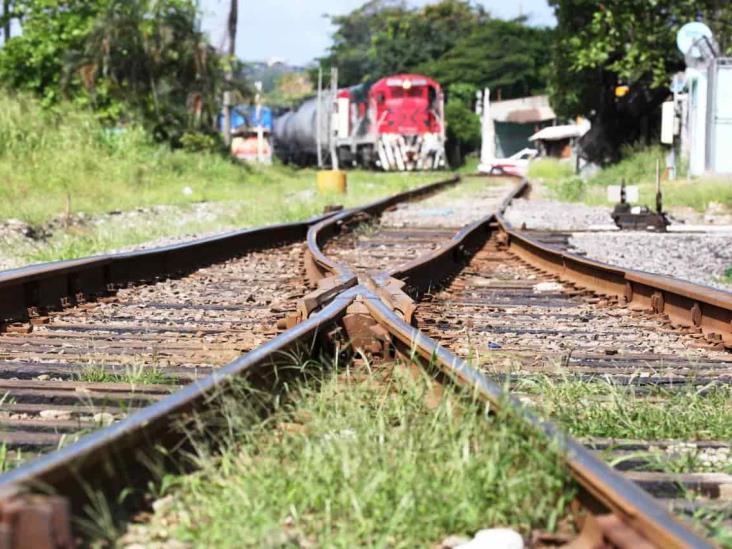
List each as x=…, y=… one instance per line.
x=690, y=33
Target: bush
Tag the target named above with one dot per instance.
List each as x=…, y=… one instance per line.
x=638, y=165
x=199, y=142
x=550, y=169
x=569, y=190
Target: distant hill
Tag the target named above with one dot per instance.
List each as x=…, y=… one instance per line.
x=283, y=85
x=269, y=72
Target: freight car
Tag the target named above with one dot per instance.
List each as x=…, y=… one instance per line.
x=396, y=123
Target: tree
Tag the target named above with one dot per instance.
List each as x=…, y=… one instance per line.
x=231, y=28
x=463, y=130
x=509, y=57
x=453, y=41
x=143, y=61
x=352, y=49
x=601, y=45
x=34, y=61
x=147, y=59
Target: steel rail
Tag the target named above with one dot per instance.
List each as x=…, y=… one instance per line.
x=429, y=270
x=621, y=496
x=54, y=285
x=121, y=454
x=121, y=443
x=57, y=284
x=330, y=275
x=601, y=483
x=319, y=265
x=99, y=462
x=685, y=303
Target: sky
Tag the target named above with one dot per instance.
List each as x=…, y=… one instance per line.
x=297, y=32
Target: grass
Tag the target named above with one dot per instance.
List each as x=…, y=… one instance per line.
x=356, y=463
x=550, y=169
x=55, y=164
x=685, y=414
x=133, y=374
x=638, y=167
x=9, y=461
x=681, y=414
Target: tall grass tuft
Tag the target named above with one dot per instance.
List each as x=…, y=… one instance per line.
x=367, y=462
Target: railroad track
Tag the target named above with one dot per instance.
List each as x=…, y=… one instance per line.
x=376, y=275
x=525, y=327
x=70, y=371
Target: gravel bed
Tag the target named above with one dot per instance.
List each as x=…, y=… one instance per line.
x=699, y=258
x=454, y=208
x=552, y=215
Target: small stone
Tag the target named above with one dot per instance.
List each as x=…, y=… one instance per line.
x=163, y=505
x=103, y=418
x=451, y=542
x=547, y=287
x=43, y=377
x=59, y=415
x=495, y=538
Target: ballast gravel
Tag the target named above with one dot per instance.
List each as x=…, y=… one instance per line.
x=454, y=208
x=552, y=215
x=699, y=257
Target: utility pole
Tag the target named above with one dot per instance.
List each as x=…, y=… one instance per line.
x=231, y=27
x=332, y=115
x=6, y=26
x=318, y=117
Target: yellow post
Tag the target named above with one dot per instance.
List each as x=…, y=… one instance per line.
x=332, y=181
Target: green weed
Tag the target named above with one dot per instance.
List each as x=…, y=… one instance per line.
x=357, y=463
x=62, y=162
x=134, y=374
x=684, y=413
x=8, y=461
x=569, y=190
x=637, y=167
x=550, y=170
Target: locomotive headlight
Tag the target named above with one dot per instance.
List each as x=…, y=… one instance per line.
x=407, y=84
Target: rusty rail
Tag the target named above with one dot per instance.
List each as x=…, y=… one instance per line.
x=685, y=303
x=122, y=446
x=121, y=453
x=52, y=286
x=602, y=485
x=387, y=296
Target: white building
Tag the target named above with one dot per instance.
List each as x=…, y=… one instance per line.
x=706, y=114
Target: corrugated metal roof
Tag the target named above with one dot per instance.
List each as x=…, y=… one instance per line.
x=554, y=133
x=523, y=110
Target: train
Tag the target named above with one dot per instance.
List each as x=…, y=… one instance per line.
x=395, y=123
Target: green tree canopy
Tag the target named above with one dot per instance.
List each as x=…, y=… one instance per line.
x=142, y=60
x=453, y=41
x=601, y=44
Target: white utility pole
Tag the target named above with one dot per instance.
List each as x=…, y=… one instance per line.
x=319, y=117
x=332, y=125
x=488, y=131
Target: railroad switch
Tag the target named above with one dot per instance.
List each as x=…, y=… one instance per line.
x=365, y=333
x=639, y=218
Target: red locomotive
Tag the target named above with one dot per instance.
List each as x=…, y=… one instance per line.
x=396, y=123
